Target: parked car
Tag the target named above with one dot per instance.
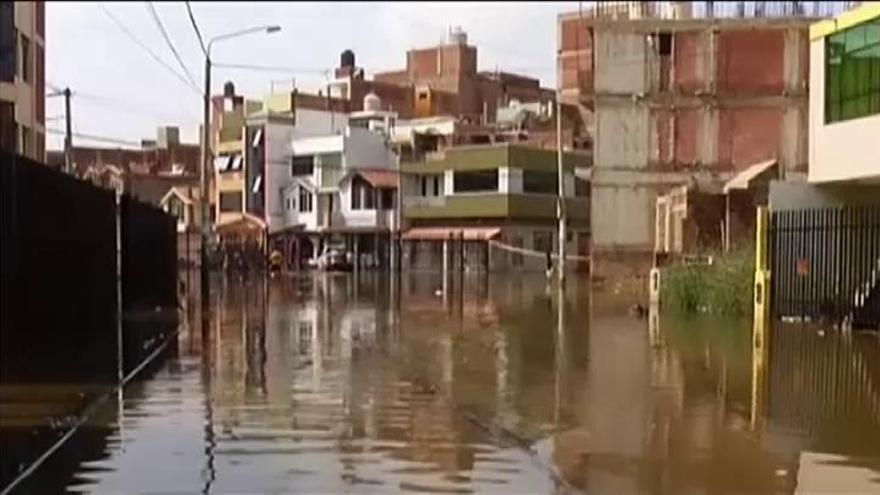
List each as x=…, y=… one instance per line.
x=334, y=258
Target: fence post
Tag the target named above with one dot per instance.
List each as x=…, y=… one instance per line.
x=762, y=276
x=761, y=325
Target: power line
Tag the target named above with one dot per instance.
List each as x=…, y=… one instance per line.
x=115, y=104
x=195, y=26
x=168, y=41
x=147, y=49
x=272, y=68
x=93, y=137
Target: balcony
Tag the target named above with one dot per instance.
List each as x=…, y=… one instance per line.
x=494, y=205
x=361, y=220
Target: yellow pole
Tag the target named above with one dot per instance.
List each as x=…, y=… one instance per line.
x=761, y=324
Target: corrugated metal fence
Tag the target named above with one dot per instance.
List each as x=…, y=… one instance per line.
x=825, y=264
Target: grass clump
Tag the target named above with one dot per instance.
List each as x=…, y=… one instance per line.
x=723, y=288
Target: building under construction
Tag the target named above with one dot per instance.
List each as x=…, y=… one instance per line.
x=677, y=94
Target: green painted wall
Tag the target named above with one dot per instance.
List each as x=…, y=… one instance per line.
x=490, y=157
x=464, y=206
x=512, y=207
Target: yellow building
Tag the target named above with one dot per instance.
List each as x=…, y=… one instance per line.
x=228, y=116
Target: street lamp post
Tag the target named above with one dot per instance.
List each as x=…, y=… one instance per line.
x=206, y=154
x=560, y=179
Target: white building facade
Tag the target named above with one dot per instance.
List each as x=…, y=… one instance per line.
x=339, y=189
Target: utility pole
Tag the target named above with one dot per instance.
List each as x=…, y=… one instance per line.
x=207, y=157
x=560, y=208
x=68, y=136
x=203, y=186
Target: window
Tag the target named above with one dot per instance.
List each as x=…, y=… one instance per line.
x=176, y=208
x=386, y=199
x=228, y=163
x=581, y=187
x=540, y=182
x=230, y=201
x=7, y=126
x=305, y=200
x=8, y=37
x=362, y=195
x=302, y=165
x=542, y=241
x=852, y=72
x=25, y=145
x=40, y=83
x=476, y=181
x=431, y=185
x=663, y=43
x=25, y=58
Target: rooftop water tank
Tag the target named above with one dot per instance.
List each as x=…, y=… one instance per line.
x=457, y=36
x=372, y=102
x=346, y=59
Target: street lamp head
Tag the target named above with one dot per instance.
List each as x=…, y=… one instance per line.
x=273, y=29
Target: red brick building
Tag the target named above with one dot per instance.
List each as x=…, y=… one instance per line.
x=440, y=80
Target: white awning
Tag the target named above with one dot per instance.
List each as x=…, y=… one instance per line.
x=744, y=179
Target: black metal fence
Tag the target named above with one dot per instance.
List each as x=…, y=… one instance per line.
x=827, y=387
x=825, y=265
x=59, y=307
x=58, y=276
x=59, y=297
x=149, y=257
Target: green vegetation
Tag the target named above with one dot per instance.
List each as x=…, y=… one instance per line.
x=723, y=288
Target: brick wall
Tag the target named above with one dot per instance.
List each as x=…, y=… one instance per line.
x=750, y=61
x=748, y=135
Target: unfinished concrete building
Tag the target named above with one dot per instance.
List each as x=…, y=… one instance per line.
x=677, y=99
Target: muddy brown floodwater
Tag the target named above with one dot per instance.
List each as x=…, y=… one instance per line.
x=331, y=384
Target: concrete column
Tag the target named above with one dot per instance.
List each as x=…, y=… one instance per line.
x=795, y=44
x=707, y=142
x=445, y=263
x=392, y=252
x=709, y=60
x=793, y=148
x=357, y=253
x=375, y=250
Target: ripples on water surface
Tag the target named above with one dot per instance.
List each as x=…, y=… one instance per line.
x=327, y=385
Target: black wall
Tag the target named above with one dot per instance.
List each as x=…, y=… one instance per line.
x=58, y=299
x=58, y=248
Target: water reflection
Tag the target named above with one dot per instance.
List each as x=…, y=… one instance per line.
x=332, y=383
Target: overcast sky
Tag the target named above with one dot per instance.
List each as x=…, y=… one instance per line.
x=124, y=93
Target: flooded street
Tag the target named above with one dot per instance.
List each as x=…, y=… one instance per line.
x=331, y=384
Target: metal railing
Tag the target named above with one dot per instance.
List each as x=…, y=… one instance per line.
x=825, y=265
